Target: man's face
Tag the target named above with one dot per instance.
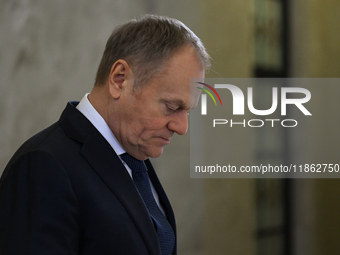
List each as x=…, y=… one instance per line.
x=145, y=120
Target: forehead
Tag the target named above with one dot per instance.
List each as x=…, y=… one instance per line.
x=176, y=82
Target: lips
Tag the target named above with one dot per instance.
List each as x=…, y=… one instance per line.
x=165, y=140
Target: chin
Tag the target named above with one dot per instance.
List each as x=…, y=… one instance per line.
x=155, y=153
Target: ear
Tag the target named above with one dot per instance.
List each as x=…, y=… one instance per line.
x=120, y=78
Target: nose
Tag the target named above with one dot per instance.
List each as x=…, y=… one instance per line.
x=179, y=122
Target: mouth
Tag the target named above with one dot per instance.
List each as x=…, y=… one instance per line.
x=165, y=140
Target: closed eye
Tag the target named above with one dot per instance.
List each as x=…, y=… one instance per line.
x=172, y=107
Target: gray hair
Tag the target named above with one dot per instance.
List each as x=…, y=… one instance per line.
x=146, y=44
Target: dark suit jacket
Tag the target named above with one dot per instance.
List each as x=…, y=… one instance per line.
x=65, y=191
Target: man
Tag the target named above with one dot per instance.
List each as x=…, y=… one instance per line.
x=85, y=185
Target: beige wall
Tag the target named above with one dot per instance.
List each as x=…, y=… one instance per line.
x=230, y=203
x=315, y=38
x=315, y=52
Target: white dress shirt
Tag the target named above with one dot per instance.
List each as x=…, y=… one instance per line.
x=86, y=108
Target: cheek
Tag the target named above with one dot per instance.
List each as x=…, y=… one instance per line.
x=147, y=119
x=144, y=121
x=151, y=128
x=137, y=128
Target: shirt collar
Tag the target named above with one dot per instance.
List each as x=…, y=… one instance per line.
x=86, y=108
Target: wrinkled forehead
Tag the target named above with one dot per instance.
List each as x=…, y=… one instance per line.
x=195, y=92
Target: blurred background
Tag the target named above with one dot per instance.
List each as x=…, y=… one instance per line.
x=49, y=54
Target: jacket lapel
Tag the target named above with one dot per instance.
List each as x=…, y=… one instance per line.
x=111, y=170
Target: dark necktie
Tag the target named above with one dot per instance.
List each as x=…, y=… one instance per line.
x=140, y=177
